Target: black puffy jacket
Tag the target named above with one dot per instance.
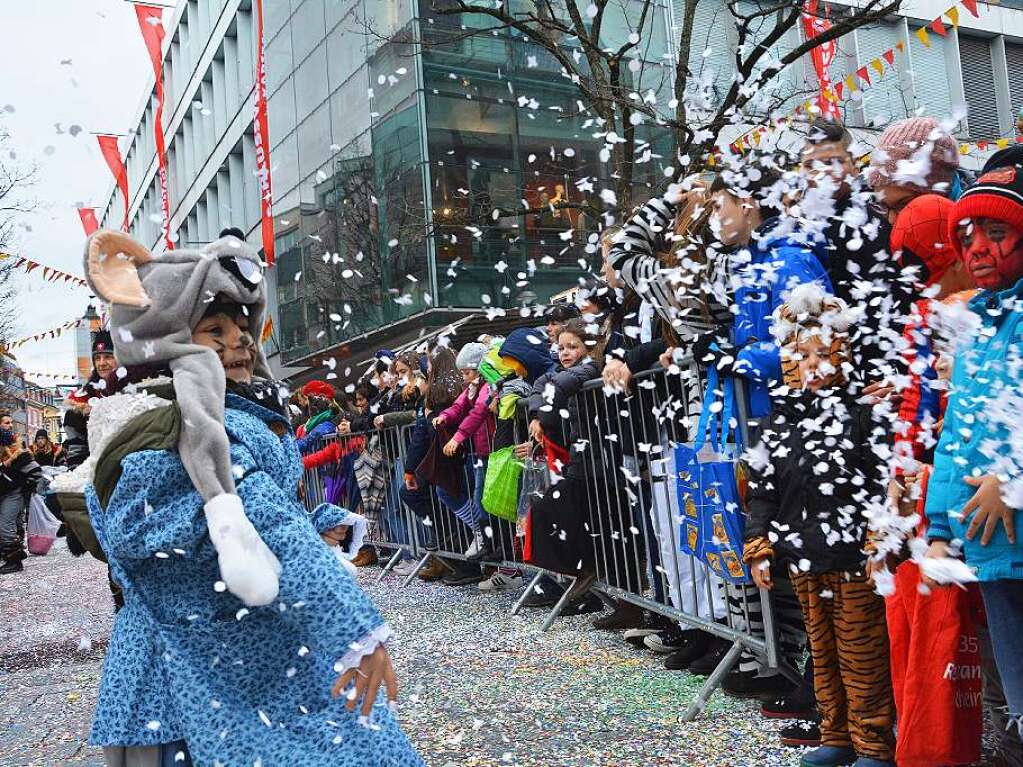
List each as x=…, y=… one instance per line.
x=812, y=478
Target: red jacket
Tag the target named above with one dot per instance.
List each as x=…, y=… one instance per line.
x=334, y=451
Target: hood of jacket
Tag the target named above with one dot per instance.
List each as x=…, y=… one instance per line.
x=531, y=349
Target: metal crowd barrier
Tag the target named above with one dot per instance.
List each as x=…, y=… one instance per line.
x=627, y=444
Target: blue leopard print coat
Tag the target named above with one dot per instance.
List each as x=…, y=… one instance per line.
x=187, y=661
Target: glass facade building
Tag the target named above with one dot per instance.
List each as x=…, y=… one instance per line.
x=405, y=154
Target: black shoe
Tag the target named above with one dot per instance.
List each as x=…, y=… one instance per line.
x=667, y=641
x=746, y=684
x=700, y=645
x=11, y=566
x=801, y=734
x=625, y=616
x=590, y=603
x=789, y=707
x=545, y=593
x=652, y=623
x=705, y=664
x=464, y=576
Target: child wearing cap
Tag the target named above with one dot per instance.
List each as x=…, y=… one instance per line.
x=975, y=493
x=814, y=477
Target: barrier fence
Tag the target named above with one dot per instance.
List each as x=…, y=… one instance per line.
x=623, y=480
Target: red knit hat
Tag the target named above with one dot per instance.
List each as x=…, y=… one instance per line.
x=921, y=236
x=998, y=194
x=318, y=389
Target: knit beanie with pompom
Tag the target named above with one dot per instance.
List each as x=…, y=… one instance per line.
x=914, y=153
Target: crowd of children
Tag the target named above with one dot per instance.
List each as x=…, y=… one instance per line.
x=873, y=319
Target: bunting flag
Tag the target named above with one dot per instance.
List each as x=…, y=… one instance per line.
x=55, y=333
x=924, y=37
x=889, y=56
x=971, y=6
x=49, y=273
x=150, y=19
x=112, y=154
x=864, y=75
x=54, y=376
x=953, y=15
x=262, y=141
x=89, y=222
x=268, y=330
x=878, y=67
x=938, y=27
x=821, y=55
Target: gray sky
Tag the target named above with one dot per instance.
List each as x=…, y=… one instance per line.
x=73, y=62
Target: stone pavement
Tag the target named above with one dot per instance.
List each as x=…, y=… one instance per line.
x=479, y=688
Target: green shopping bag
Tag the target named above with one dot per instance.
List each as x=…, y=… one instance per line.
x=501, y=485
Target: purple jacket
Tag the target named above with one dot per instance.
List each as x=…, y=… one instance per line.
x=474, y=419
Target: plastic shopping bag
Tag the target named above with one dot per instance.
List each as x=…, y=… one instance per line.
x=42, y=526
x=713, y=522
x=501, y=485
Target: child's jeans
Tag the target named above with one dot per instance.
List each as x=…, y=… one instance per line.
x=845, y=623
x=1003, y=603
x=394, y=518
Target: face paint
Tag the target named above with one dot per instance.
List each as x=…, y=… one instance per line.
x=992, y=251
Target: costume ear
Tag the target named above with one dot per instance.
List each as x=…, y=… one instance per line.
x=111, y=259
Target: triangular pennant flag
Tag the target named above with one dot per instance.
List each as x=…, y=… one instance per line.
x=924, y=37
x=1019, y=139
x=900, y=46
x=829, y=95
x=851, y=84
x=1002, y=143
x=938, y=27
x=864, y=75
x=971, y=6
x=31, y=265
x=889, y=56
x=964, y=149
x=878, y=66
x=756, y=138
x=46, y=272
x=982, y=145
x=953, y=15
x=839, y=87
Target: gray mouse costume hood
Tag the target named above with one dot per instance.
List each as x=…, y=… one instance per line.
x=154, y=304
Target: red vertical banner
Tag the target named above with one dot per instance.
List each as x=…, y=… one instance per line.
x=262, y=139
x=815, y=24
x=108, y=146
x=151, y=23
x=89, y=222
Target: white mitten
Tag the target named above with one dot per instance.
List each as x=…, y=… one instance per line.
x=247, y=566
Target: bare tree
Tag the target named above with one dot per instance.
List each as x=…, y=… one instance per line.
x=15, y=178
x=613, y=78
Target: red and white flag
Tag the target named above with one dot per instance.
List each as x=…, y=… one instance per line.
x=262, y=140
x=151, y=23
x=111, y=153
x=815, y=24
x=89, y=222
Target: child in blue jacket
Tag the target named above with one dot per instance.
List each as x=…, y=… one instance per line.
x=975, y=493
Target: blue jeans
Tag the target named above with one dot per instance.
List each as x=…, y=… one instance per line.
x=1003, y=603
x=394, y=518
x=422, y=506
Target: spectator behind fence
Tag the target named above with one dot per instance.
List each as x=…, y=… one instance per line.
x=974, y=494
x=814, y=522
x=322, y=409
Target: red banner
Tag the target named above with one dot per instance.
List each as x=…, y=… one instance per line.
x=822, y=55
x=150, y=22
x=89, y=222
x=108, y=146
x=262, y=139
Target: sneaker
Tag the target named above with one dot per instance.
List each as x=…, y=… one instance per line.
x=501, y=582
x=464, y=576
x=476, y=546
x=667, y=641
x=789, y=707
x=700, y=644
x=367, y=556
x=801, y=735
x=829, y=756
x=545, y=593
x=625, y=616
x=404, y=568
x=747, y=684
x=705, y=665
x=11, y=566
x=652, y=623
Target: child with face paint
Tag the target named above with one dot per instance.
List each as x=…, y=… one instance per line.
x=975, y=495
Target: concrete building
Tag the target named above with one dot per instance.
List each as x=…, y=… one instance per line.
x=391, y=160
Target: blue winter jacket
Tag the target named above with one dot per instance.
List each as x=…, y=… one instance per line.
x=982, y=432
x=531, y=348
x=765, y=272
x=312, y=440
x=188, y=662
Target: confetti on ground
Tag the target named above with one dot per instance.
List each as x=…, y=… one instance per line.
x=479, y=688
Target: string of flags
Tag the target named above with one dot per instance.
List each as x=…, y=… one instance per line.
x=55, y=333
x=49, y=274
x=863, y=78
x=52, y=376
